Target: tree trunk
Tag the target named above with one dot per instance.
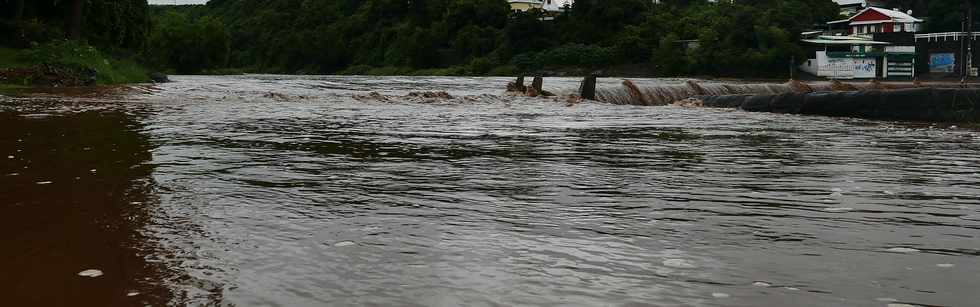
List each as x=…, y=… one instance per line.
x=75, y=20
x=18, y=9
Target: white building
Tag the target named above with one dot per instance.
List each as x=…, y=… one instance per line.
x=557, y=5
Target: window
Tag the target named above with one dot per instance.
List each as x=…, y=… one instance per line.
x=899, y=28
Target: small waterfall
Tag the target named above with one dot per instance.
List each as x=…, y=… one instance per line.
x=630, y=93
x=633, y=94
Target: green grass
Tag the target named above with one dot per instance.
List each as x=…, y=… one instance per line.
x=73, y=54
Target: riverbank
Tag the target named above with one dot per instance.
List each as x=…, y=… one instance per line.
x=63, y=64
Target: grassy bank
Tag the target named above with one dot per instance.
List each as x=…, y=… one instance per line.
x=65, y=63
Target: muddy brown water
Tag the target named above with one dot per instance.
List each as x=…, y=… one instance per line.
x=310, y=191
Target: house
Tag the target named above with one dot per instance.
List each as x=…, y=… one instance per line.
x=873, y=43
x=525, y=5
x=878, y=20
x=851, y=7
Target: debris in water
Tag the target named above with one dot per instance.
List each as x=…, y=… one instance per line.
x=344, y=243
x=792, y=288
x=43, y=182
x=720, y=295
x=689, y=102
x=90, y=273
x=679, y=264
x=133, y=293
x=902, y=250
x=438, y=94
x=762, y=284
x=10, y=157
x=945, y=265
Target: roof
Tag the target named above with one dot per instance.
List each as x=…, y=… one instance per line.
x=842, y=40
x=896, y=16
x=857, y=2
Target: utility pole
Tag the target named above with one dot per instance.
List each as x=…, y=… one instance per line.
x=969, y=38
x=962, y=56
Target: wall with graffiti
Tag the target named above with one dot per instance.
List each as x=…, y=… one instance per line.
x=942, y=62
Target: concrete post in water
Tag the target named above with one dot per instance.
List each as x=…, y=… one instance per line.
x=587, y=89
x=537, y=83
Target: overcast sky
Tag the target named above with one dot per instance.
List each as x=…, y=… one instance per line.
x=177, y=1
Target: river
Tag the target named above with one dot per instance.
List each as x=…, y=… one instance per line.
x=311, y=191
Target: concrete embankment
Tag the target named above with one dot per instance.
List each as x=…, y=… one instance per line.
x=916, y=104
x=947, y=102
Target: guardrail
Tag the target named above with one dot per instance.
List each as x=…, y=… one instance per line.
x=943, y=36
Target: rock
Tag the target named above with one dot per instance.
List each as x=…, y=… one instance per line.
x=159, y=77
x=91, y=76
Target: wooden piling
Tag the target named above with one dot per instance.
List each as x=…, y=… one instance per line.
x=520, y=84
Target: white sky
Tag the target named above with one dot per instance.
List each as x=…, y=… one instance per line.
x=177, y=1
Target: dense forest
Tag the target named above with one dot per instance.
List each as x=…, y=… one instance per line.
x=746, y=38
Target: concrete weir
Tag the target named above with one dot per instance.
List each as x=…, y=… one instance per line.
x=943, y=102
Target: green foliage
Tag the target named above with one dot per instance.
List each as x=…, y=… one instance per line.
x=576, y=55
x=76, y=55
x=188, y=46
